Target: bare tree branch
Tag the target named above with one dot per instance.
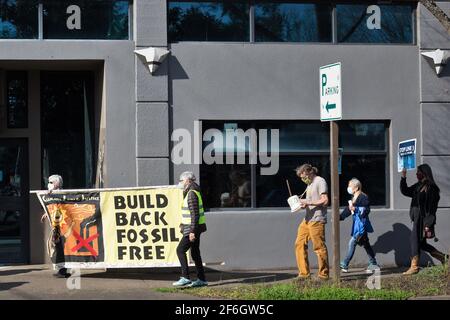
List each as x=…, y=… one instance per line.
x=438, y=13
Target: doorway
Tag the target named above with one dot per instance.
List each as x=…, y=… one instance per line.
x=14, y=201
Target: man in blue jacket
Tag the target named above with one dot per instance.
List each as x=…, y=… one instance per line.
x=359, y=209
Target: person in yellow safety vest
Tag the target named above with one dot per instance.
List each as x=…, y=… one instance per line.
x=193, y=224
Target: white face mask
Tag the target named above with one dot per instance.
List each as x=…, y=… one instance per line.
x=50, y=187
x=350, y=190
x=180, y=185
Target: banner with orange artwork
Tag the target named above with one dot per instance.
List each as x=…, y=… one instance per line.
x=114, y=228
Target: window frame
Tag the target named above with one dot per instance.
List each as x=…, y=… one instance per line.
x=40, y=27
x=334, y=23
x=253, y=167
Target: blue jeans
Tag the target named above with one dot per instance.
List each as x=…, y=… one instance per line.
x=351, y=250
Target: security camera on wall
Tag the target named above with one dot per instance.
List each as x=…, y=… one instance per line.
x=152, y=57
x=439, y=58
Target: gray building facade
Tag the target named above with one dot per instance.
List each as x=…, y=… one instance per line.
x=257, y=82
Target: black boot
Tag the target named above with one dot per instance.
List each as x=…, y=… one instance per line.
x=443, y=258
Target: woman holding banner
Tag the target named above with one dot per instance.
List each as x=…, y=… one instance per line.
x=55, y=182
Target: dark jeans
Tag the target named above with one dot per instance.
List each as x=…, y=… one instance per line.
x=418, y=242
x=182, y=248
x=366, y=244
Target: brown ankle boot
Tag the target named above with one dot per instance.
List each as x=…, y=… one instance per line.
x=443, y=258
x=414, y=268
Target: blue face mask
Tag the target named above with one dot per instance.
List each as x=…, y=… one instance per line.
x=350, y=190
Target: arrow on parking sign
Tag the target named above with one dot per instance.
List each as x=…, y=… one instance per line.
x=330, y=106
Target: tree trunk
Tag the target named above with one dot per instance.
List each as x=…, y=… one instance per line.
x=438, y=13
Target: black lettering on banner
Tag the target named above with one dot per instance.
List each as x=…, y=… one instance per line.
x=121, y=219
x=159, y=216
x=144, y=236
x=134, y=219
x=160, y=252
x=161, y=201
x=156, y=236
x=120, y=235
x=121, y=251
x=119, y=202
x=142, y=219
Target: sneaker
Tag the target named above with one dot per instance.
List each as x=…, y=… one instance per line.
x=62, y=273
x=182, y=282
x=372, y=268
x=198, y=283
x=344, y=268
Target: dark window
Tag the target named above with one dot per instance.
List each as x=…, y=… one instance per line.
x=358, y=23
x=86, y=19
x=293, y=22
x=208, y=21
x=17, y=99
x=67, y=127
x=365, y=152
x=18, y=19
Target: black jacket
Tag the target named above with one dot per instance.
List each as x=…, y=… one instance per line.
x=193, y=205
x=423, y=206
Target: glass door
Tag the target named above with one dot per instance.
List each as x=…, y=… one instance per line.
x=14, y=201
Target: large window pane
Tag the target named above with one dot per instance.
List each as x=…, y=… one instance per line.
x=362, y=136
x=18, y=19
x=293, y=22
x=371, y=171
x=375, y=24
x=226, y=186
x=299, y=136
x=17, y=99
x=228, y=137
x=272, y=190
x=86, y=19
x=67, y=126
x=11, y=176
x=208, y=21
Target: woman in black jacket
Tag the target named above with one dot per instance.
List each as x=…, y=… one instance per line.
x=424, y=204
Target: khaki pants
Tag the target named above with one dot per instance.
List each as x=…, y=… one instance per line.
x=314, y=231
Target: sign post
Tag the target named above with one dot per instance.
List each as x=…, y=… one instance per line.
x=331, y=110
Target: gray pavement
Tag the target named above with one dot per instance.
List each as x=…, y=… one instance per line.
x=35, y=282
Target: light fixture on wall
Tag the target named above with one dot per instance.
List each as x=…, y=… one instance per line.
x=439, y=57
x=152, y=57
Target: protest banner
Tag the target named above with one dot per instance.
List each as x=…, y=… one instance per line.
x=116, y=228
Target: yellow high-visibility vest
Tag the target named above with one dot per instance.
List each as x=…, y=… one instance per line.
x=186, y=214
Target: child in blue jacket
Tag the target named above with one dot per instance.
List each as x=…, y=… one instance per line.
x=359, y=209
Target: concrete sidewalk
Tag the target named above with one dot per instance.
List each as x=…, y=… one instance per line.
x=36, y=282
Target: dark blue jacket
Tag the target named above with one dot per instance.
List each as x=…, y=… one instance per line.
x=361, y=222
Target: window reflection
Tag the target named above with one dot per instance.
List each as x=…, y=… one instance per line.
x=17, y=99
x=364, y=146
x=99, y=19
x=293, y=22
x=396, y=24
x=226, y=186
x=18, y=19
x=208, y=21
x=67, y=124
x=10, y=174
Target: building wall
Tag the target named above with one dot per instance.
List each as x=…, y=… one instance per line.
x=244, y=81
x=118, y=89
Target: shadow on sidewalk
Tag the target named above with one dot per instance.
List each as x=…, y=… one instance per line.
x=212, y=275
x=13, y=272
x=4, y=286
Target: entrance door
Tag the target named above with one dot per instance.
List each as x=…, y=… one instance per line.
x=14, y=201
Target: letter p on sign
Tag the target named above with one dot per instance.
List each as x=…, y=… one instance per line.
x=324, y=82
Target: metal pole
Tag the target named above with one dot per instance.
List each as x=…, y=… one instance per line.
x=334, y=134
